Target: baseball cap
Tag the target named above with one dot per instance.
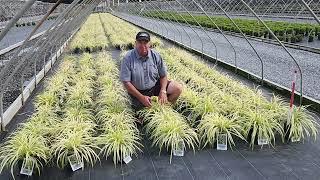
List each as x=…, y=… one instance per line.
x=143, y=36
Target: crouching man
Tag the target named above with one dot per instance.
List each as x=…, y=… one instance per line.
x=144, y=74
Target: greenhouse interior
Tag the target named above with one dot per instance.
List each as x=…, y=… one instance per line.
x=159, y=89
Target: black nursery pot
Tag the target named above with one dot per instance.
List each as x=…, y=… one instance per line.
x=187, y=113
x=87, y=49
x=311, y=38
x=286, y=128
x=76, y=50
x=250, y=136
x=17, y=169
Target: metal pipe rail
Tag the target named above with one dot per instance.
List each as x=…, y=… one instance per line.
x=65, y=25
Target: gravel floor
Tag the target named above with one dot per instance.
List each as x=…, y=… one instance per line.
x=14, y=88
x=17, y=34
x=278, y=66
x=4, y=58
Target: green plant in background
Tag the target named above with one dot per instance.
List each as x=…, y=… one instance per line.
x=247, y=26
x=57, y=86
x=88, y=127
x=311, y=37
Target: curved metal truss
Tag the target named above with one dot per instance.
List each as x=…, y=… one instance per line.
x=170, y=16
x=181, y=24
x=27, y=60
x=266, y=8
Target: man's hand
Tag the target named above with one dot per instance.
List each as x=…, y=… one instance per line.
x=163, y=99
x=146, y=101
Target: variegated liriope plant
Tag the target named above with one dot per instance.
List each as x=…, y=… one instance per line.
x=91, y=37
x=221, y=95
x=120, y=137
x=31, y=140
x=167, y=128
x=75, y=133
x=121, y=33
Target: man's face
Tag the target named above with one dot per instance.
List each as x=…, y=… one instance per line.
x=142, y=47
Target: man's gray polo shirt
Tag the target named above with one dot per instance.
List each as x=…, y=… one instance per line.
x=142, y=72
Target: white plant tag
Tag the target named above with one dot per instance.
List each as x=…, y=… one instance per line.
x=74, y=163
x=127, y=159
x=189, y=117
x=27, y=167
x=222, y=142
x=179, y=151
x=262, y=140
x=295, y=139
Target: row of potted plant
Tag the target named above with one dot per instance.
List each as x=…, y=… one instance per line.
x=285, y=31
x=91, y=36
x=217, y=101
x=121, y=34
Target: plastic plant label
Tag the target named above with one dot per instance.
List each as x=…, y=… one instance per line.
x=295, y=139
x=127, y=159
x=222, y=142
x=190, y=117
x=179, y=151
x=27, y=167
x=262, y=140
x=74, y=163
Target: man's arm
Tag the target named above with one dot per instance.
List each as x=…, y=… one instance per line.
x=145, y=100
x=163, y=83
x=163, y=98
